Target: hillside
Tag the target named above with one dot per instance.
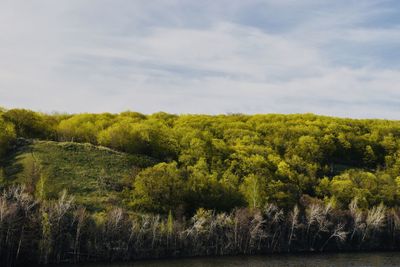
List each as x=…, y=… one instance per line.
x=95, y=175
x=219, y=162
x=165, y=185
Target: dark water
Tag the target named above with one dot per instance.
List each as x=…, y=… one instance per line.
x=320, y=260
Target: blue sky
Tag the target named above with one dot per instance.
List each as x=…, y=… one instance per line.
x=335, y=57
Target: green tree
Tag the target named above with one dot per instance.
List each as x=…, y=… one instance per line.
x=149, y=138
x=369, y=188
x=30, y=124
x=84, y=127
x=308, y=148
x=253, y=188
x=7, y=136
x=159, y=188
x=369, y=156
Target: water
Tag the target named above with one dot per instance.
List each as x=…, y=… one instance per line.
x=298, y=260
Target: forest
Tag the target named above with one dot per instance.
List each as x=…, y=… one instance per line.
x=112, y=187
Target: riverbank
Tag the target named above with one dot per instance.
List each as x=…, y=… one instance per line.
x=56, y=232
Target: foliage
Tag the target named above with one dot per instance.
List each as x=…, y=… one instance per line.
x=83, y=127
x=95, y=175
x=159, y=188
x=7, y=136
x=149, y=138
x=248, y=184
x=222, y=161
x=29, y=124
x=57, y=231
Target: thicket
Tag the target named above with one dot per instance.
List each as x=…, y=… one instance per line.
x=56, y=231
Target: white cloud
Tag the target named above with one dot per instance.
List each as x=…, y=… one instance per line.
x=114, y=55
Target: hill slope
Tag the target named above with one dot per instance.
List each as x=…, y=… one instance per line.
x=96, y=176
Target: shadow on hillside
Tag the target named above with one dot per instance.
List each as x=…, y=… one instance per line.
x=13, y=167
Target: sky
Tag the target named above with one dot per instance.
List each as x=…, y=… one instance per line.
x=329, y=57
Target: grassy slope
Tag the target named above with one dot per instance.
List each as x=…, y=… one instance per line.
x=97, y=176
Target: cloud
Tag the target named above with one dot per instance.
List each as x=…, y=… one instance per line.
x=201, y=57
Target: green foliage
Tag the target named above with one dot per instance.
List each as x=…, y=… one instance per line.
x=222, y=161
x=159, y=188
x=170, y=223
x=2, y=178
x=95, y=175
x=205, y=190
x=370, y=189
x=40, y=192
x=83, y=127
x=29, y=124
x=149, y=138
x=31, y=172
x=7, y=136
x=253, y=188
x=45, y=241
x=297, y=169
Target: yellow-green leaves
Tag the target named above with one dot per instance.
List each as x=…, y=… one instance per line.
x=159, y=188
x=7, y=136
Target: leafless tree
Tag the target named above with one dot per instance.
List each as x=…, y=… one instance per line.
x=357, y=217
x=294, y=223
x=80, y=218
x=338, y=233
x=375, y=220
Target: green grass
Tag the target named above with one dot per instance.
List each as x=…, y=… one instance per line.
x=96, y=176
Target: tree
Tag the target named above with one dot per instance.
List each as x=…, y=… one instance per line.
x=369, y=188
x=308, y=148
x=159, y=188
x=83, y=127
x=202, y=186
x=253, y=188
x=149, y=138
x=369, y=156
x=7, y=136
x=29, y=124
